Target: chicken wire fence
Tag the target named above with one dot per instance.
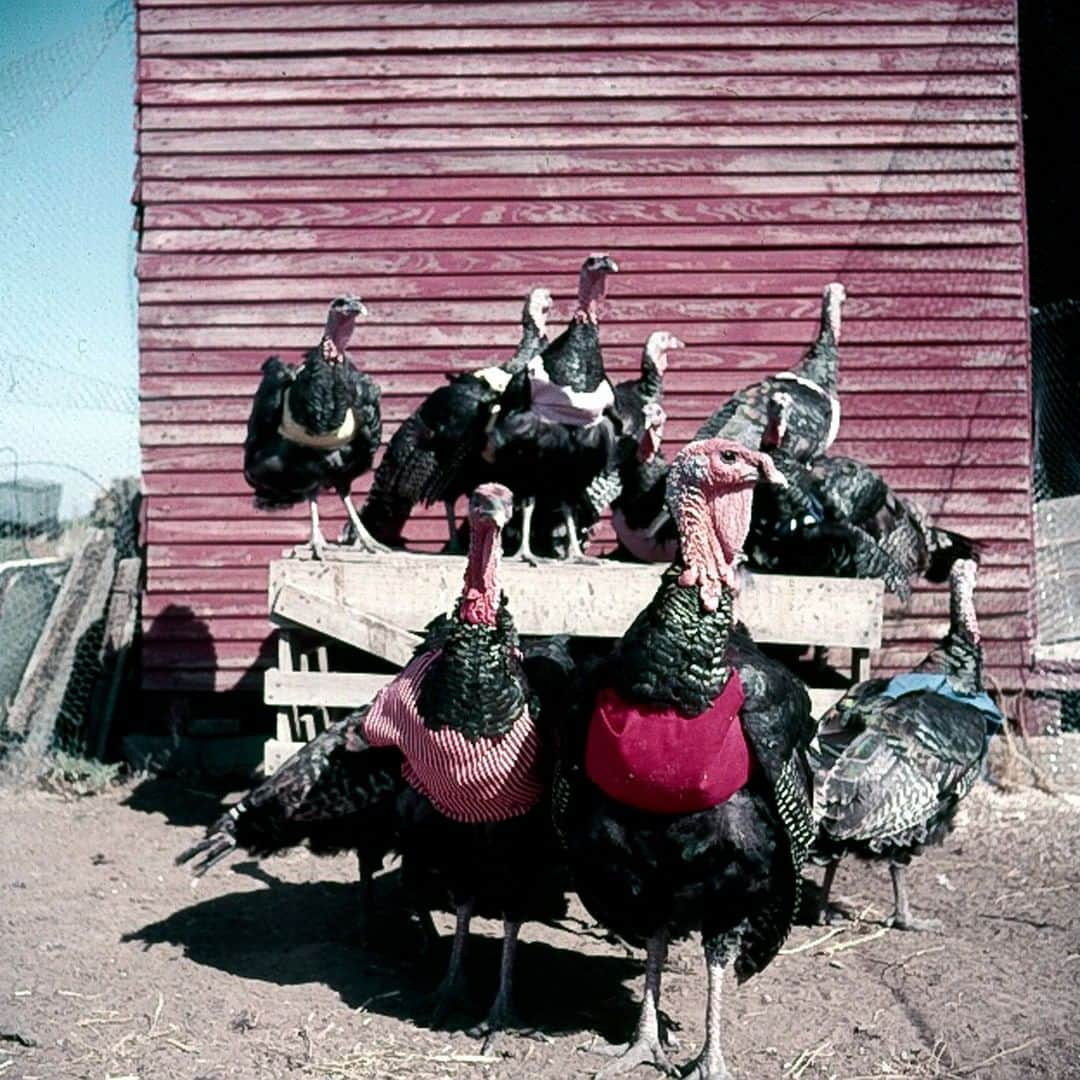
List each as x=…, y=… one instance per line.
x=68, y=525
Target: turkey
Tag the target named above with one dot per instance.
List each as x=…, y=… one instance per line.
x=893, y=758
x=638, y=418
x=561, y=437
x=473, y=820
x=315, y=427
x=683, y=798
x=436, y=453
x=812, y=387
x=327, y=797
x=839, y=518
x=446, y=766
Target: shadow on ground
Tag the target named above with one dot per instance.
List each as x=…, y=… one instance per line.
x=291, y=934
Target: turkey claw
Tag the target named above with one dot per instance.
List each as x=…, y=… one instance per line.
x=502, y=1021
x=924, y=926
x=643, y=1051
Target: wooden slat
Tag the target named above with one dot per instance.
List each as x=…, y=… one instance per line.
x=576, y=113
x=451, y=213
x=343, y=140
x=371, y=633
x=592, y=600
x=994, y=41
x=312, y=13
x=240, y=81
x=557, y=265
x=584, y=162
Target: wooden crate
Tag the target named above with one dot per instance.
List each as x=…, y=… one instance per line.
x=377, y=603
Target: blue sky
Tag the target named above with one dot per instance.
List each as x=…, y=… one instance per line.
x=68, y=346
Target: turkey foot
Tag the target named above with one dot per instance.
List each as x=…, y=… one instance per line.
x=318, y=541
x=524, y=552
x=704, y=1069
x=901, y=918
x=646, y=1049
x=450, y=996
x=361, y=538
x=502, y=1020
x=831, y=914
x=574, y=553
x=911, y=922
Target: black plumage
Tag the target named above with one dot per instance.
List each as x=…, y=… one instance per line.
x=730, y=871
x=552, y=446
x=812, y=387
x=436, y=454
x=574, y=358
x=839, y=518
x=891, y=764
x=314, y=427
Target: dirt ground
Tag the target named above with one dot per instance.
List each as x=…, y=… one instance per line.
x=113, y=968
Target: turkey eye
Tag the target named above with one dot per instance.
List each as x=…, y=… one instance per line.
x=728, y=456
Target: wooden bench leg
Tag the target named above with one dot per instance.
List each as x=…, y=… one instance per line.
x=860, y=665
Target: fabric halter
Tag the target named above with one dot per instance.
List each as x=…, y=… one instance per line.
x=834, y=403
x=561, y=405
x=331, y=440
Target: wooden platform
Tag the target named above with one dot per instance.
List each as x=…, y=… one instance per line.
x=379, y=603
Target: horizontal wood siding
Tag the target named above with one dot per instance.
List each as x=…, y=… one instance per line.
x=441, y=158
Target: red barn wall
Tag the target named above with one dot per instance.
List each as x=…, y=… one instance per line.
x=440, y=158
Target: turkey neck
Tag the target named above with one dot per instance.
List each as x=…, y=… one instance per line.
x=819, y=364
x=675, y=653
x=651, y=383
x=480, y=598
x=532, y=342
x=322, y=393
x=959, y=653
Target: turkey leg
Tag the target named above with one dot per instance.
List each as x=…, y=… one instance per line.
x=318, y=541
x=361, y=537
x=524, y=551
x=573, y=544
x=451, y=991
x=646, y=1047
x=709, y=1064
x=901, y=918
x=502, y=1016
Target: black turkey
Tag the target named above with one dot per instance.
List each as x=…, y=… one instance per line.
x=812, y=387
x=315, y=427
x=894, y=757
x=683, y=797
x=327, y=797
x=839, y=518
x=435, y=455
x=561, y=436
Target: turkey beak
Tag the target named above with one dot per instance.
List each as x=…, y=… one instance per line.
x=610, y=265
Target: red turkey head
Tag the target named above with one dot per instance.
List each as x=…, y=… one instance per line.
x=710, y=491
x=340, y=323
x=657, y=347
x=592, y=280
x=490, y=508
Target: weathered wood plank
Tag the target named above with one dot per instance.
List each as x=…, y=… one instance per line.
x=340, y=140
x=335, y=690
x=584, y=162
x=803, y=312
x=556, y=265
x=533, y=111
x=484, y=50
x=674, y=211
x=598, y=600
x=254, y=81
x=373, y=634
x=311, y=13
